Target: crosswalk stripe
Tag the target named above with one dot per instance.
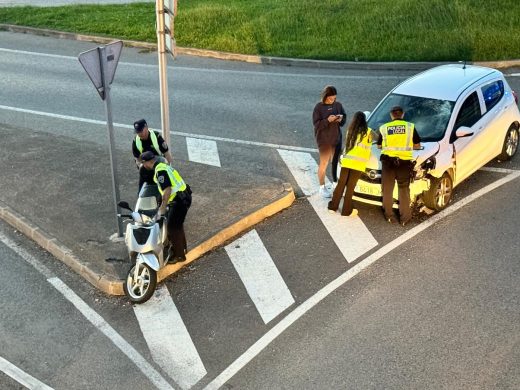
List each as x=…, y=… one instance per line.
x=349, y=233
x=261, y=278
x=169, y=341
x=203, y=151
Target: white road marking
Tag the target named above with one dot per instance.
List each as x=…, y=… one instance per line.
x=124, y=126
x=301, y=310
x=21, y=377
x=203, y=151
x=497, y=170
x=104, y=327
x=169, y=341
x=349, y=233
x=245, y=73
x=93, y=317
x=261, y=278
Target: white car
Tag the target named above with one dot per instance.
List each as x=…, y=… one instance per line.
x=465, y=115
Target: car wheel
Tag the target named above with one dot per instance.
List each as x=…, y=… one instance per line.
x=439, y=194
x=510, y=144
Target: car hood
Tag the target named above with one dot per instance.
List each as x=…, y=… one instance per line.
x=429, y=149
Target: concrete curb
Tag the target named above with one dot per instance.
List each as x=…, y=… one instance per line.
x=278, y=61
x=113, y=286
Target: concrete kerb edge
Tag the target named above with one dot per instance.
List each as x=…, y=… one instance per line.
x=232, y=231
x=115, y=287
x=279, y=61
x=58, y=250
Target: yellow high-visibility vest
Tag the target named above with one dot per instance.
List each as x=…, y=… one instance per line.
x=357, y=157
x=397, y=139
x=155, y=143
x=175, y=179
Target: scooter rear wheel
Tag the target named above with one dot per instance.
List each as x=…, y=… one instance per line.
x=141, y=288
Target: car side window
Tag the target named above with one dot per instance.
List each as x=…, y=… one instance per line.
x=492, y=93
x=469, y=112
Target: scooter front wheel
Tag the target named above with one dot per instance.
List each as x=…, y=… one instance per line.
x=140, y=283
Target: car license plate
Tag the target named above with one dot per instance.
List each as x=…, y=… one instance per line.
x=373, y=190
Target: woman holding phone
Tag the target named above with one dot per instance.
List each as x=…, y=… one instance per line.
x=328, y=116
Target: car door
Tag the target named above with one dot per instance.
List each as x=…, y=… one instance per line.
x=468, y=150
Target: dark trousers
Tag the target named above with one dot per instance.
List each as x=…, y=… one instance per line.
x=395, y=169
x=335, y=158
x=347, y=178
x=145, y=176
x=178, y=208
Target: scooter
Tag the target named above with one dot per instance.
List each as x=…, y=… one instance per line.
x=145, y=239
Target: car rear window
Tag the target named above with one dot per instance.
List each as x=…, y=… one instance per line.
x=492, y=93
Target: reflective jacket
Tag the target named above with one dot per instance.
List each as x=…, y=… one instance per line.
x=175, y=179
x=357, y=157
x=397, y=139
x=155, y=143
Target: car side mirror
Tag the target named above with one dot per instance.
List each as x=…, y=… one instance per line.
x=124, y=205
x=463, y=131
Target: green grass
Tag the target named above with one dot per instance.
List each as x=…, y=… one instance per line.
x=363, y=30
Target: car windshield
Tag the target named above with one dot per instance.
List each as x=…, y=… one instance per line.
x=430, y=116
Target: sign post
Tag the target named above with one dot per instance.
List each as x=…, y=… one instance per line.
x=100, y=64
x=165, y=44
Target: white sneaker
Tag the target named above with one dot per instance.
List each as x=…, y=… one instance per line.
x=325, y=192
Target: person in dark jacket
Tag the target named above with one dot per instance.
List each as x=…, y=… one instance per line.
x=328, y=116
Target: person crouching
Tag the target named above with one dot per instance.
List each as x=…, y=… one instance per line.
x=176, y=200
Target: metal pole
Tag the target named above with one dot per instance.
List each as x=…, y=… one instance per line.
x=163, y=79
x=110, y=126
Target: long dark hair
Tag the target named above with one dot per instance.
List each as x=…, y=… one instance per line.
x=357, y=127
x=329, y=90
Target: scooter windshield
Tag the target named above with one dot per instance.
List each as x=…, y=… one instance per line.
x=148, y=198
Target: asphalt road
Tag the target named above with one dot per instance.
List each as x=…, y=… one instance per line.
x=439, y=311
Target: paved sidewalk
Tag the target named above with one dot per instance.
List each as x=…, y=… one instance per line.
x=58, y=192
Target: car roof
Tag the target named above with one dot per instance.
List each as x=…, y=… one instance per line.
x=445, y=82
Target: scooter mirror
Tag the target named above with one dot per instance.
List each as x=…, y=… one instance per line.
x=124, y=205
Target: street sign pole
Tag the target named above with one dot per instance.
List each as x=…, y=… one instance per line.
x=110, y=125
x=100, y=65
x=163, y=79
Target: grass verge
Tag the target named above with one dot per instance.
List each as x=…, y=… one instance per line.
x=348, y=30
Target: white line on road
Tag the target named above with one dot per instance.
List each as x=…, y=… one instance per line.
x=91, y=315
x=350, y=234
x=261, y=278
x=104, y=327
x=203, y=151
x=21, y=377
x=301, y=310
x=168, y=339
x=199, y=136
x=205, y=70
x=497, y=170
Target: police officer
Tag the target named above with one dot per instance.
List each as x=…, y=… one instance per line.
x=397, y=140
x=176, y=196
x=146, y=140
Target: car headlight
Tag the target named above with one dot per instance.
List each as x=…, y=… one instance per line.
x=428, y=164
x=423, y=169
